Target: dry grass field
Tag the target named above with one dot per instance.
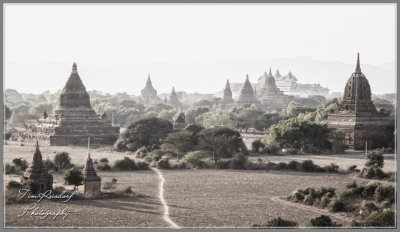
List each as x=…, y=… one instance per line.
x=196, y=198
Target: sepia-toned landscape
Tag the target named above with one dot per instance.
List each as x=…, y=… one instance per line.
x=184, y=128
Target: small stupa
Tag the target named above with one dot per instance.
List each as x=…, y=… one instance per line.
x=180, y=122
x=227, y=100
x=91, y=182
x=37, y=173
x=173, y=99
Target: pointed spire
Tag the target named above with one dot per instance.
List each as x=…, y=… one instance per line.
x=270, y=72
x=227, y=85
x=358, y=68
x=74, y=68
x=247, y=78
x=37, y=157
x=88, y=147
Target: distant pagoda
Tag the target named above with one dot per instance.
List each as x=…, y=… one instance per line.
x=37, y=173
x=173, y=99
x=148, y=95
x=277, y=74
x=91, y=182
x=227, y=100
x=271, y=97
x=74, y=120
x=247, y=96
x=357, y=116
x=180, y=122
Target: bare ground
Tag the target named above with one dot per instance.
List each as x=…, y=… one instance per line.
x=196, y=198
x=226, y=198
x=144, y=210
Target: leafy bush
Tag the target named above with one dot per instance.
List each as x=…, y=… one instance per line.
x=373, y=173
x=142, y=165
x=384, y=193
x=194, y=128
x=48, y=164
x=352, y=168
x=224, y=164
x=281, y=166
x=194, y=158
x=278, y=222
x=336, y=205
x=298, y=195
x=163, y=163
x=368, y=207
x=10, y=169
x=332, y=168
x=238, y=161
x=103, y=160
x=12, y=184
x=141, y=152
x=154, y=155
x=62, y=160
x=294, y=165
x=323, y=221
x=307, y=166
x=271, y=149
x=20, y=163
x=73, y=176
x=384, y=218
x=374, y=160
x=104, y=167
x=256, y=145
x=125, y=164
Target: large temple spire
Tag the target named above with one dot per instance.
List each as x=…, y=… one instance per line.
x=358, y=68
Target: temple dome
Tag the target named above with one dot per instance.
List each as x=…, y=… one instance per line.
x=357, y=87
x=357, y=93
x=74, y=94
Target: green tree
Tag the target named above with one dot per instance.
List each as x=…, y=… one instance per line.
x=296, y=133
x=73, y=176
x=167, y=114
x=248, y=118
x=193, y=113
x=145, y=132
x=294, y=109
x=179, y=142
x=62, y=160
x=221, y=141
x=216, y=119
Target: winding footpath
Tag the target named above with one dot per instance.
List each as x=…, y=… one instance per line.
x=164, y=203
x=310, y=208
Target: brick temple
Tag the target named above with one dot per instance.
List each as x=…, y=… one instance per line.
x=357, y=116
x=75, y=120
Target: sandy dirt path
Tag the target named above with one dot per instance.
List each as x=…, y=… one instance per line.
x=163, y=202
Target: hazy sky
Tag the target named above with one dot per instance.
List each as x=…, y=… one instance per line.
x=134, y=34
x=139, y=34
